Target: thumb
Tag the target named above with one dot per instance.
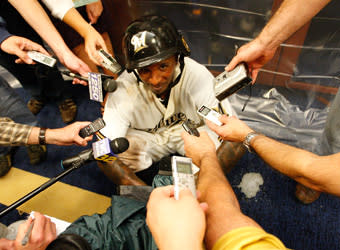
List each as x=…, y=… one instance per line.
x=23, y=56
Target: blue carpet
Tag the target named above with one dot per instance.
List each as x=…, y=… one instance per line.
x=275, y=207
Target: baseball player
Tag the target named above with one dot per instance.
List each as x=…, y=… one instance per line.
x=160, y=89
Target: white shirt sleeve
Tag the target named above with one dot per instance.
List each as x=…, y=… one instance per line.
x=58, y=8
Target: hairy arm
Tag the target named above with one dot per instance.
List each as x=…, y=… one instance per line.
x=317, y=172
x=291, y=16
x=321, y=173
x=223, y=213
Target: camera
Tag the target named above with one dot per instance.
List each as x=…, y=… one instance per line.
x=227, y=83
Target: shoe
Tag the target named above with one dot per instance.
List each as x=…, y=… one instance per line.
x=5, y=164
x=35, y=106
x=306, y=195
x=68, y=110
x=36, y=153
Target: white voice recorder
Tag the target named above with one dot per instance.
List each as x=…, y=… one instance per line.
x=210, y=115
x=182, y=174
x=42, y=58
x=109, y=62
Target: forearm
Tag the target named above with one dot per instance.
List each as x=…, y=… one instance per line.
x=77, y=22
x=223, y=214
x=303, y=166
x=37, y=18
x=291, y=16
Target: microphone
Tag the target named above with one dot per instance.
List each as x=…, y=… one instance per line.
x=108, y=83
x=106, y=150
x=116, y=146
x=98, y=82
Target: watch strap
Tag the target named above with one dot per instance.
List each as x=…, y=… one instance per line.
x=42, y=138
x=248, y=140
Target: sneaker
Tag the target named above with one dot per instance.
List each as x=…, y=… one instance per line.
x=5, y=164
x=68, y=110
x=35, y=106
x=36, y=153
x=306, y=195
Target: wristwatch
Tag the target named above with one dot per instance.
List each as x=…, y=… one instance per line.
x=248, y=139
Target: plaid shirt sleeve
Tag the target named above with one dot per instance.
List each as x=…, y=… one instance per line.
x=13, y=134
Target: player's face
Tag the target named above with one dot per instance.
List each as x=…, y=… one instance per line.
x=159, y=75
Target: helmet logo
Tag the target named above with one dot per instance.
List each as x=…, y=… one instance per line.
x=138, y=41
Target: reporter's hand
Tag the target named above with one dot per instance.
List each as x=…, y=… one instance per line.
x=68, y=135
x=73, y=63
x=94, y=10
x=175, y=224
x=43, y=232
x=198, y=147
x=94, y=41
x=6, y=244
x=232, y=129
x=255, y=54
x=16, y=45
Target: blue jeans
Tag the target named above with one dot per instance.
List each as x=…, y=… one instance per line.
x=12, y=106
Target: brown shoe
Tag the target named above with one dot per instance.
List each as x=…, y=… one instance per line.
x=306, y=195
x=5, y=163
x=35, y=106
x=68, y=110
x=36, y=153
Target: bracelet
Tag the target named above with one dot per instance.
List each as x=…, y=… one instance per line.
x=248, y=139
x=42, y=138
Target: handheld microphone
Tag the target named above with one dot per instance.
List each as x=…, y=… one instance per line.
x=109, y=84
x=106, y=150
x=117, y=146
x=98, y=82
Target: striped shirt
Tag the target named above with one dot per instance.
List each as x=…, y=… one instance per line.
x=13, y=134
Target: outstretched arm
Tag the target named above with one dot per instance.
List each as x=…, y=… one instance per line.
x=291, y=16
x=19, y=46
x=93, y=40
x=223, y=213
x=65, y=136
x=317, y=172
x=35, y=15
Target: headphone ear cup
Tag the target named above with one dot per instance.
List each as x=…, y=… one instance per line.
x=184, y=46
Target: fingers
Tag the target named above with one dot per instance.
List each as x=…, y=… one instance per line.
x=233, y=63
x=78, y=81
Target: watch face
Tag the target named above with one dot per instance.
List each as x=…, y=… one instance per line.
x=248, y=139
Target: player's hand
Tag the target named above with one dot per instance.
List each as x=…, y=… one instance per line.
x=232, y=129
x=19, y=46
x=175, y=224
x=198, y=147
x=255, y=54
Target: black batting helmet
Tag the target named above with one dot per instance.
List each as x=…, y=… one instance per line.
x=151, y=39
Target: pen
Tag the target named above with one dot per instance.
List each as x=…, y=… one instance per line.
x=27, y=234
